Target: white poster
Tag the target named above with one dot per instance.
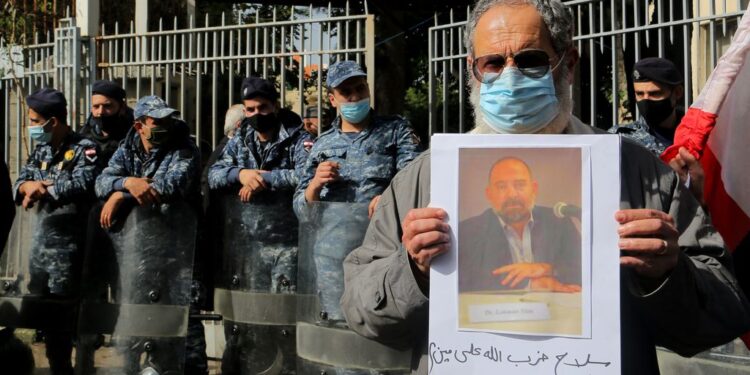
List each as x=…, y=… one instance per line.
x=531, y=285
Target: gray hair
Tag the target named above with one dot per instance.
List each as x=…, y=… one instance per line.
x=235, y=114
x=556, y=16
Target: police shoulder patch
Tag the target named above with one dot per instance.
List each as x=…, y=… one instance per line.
x=307, y=144
x=70, y=154
x=90, y=154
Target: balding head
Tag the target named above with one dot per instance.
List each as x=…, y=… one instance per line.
x=511, y=190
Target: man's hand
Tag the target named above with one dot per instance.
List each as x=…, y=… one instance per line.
x=551, y=284
x=327, y=171
x=371, y=207
x=32, y=192
x=110, y=209
x=648, y=242
x=141, y=190
x=252, y=178
x=426, y=235
x=518, y=272
x=246, y=193
x=685, y=164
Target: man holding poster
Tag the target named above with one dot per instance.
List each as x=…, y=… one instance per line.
x=677, y=288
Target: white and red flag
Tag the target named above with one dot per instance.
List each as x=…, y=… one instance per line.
x=716, y=129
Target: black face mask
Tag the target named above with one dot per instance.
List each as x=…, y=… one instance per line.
x=115, y=126
x=262, y=123
x=161, y=133
x=655, y=111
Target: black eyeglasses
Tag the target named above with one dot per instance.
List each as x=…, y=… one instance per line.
x=533, y=63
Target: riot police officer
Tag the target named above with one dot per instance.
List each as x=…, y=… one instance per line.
x=256, y=279
x=157, y=163
x=109, y=120
x=315, y=122
x=58, y=176
x=658, y=87
x=349, y=166
x=356, y=158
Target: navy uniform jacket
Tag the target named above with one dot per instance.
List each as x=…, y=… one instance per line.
x=367, y=162
x=640, y=132
x=483, y=247
x=72, y=169
x=284, y=158
x=173, y=168
x=107, y=143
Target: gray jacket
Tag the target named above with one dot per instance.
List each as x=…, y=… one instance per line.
x=699, y=306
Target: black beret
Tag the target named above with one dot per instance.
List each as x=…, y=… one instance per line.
x=658, y=70
x=48, y=103
x=253, y=87
x=109, y=89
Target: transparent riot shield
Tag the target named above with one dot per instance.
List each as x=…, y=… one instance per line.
x=40, y=272
x=329, y=231
x=139, y=320
x=255, y=286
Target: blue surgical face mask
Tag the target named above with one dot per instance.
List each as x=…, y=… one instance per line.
x=355, y=112
x=38, y=134
x=516, y=104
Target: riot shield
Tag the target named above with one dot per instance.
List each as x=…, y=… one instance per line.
x=141, y=322
x=329, y=231
x=40, y=277
x=255, y=284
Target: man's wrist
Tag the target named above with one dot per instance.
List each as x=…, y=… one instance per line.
x=312, y=193
x=422, y=276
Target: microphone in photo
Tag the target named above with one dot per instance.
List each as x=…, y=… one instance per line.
x=562, y=210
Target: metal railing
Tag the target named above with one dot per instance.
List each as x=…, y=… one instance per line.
x=610, y=35
x=197, y=70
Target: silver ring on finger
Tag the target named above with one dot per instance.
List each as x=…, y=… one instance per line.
x=664, y=248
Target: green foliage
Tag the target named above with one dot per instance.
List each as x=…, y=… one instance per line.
x=17, y=25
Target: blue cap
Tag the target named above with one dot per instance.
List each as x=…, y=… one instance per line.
x=48, y=103
x=341, y=71
x=154, y=107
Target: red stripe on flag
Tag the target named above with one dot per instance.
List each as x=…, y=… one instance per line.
x=732, y=223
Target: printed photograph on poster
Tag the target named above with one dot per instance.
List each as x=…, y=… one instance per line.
x=531, y=282
x=520, y=252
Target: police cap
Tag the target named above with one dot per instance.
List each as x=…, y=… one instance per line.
x=109, y=89
x=154, y=107
x=658, y=70
x=311, y=112
x=341, y=71
x=48, y=102
x=258, y=87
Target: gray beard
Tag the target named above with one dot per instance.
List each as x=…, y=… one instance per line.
x=556, y=126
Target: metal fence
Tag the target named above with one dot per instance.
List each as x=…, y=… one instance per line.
x=611, y=35
x=197, y=70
